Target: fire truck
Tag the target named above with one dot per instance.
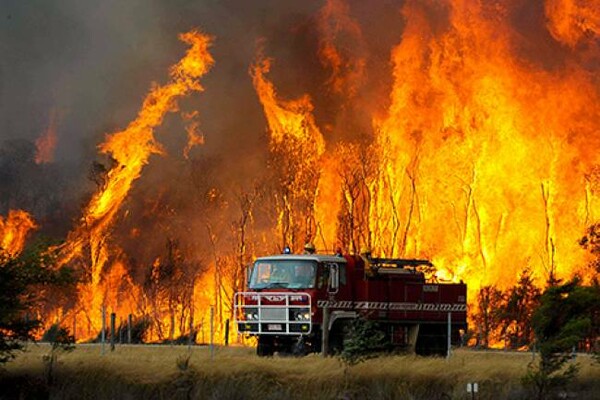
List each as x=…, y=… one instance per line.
x=298, y=303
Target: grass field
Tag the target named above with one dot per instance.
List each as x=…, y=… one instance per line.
x=161, y=372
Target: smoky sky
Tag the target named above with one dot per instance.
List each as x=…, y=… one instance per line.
x=92, y=62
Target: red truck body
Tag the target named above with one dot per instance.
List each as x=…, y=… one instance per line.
x=288, y=293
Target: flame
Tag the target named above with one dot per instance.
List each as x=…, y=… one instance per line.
x=478, y=165
x=130, y=150
x=573, y=21
x=339, y=33
x=14, y=230
x=485, y=159
x=297, y=144
x=484, y=162
x=195, y=137
x=46, y=143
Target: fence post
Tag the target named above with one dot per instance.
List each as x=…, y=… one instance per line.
x=113, y=317
x=129, y=329
x=212, y=332
x=103, y=333
x=227, y=332
x=191, y=337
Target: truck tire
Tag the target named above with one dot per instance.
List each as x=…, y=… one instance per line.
x=336, y=337
x=265, y=347
x=432, y=340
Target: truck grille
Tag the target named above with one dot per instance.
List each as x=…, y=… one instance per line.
x=274, y=314
x=256, y=314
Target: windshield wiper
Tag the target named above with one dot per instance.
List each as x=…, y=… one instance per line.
x=276, y=284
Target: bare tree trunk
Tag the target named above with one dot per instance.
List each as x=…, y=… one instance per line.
x=549, y=240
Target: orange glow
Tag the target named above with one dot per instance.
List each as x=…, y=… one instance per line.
x=484, y=159
x=195, y=137
x=46, y=143
x=14, y=230
x=130, y=150
x=572, y=21
x=297, y=145
x=337, y=50
x=483, y=162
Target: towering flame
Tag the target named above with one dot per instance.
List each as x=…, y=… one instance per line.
x=297, y=145
x=483, y=155
x=130, y=150
x=13, y=231
x=485, y=161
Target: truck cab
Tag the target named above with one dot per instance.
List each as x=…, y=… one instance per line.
x=281, y=303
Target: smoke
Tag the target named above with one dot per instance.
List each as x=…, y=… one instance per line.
x=93, y=62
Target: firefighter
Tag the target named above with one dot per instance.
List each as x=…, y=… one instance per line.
x=304, y=275
x=309, y=248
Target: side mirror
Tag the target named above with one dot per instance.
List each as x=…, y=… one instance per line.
x=334, y=278
x=249, y=269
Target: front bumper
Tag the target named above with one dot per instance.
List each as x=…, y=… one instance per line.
x=273, y=313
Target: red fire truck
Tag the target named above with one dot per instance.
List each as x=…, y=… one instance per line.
x=292, y=299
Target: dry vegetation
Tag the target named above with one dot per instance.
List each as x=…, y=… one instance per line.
x=161, y=372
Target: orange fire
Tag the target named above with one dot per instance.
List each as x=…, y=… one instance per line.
x=195, y=137
x=485, y=159
x=571, y=21
x=297, y=145
x=14, y=230
x=484, y=162
x=129, y=150
x=46, y=143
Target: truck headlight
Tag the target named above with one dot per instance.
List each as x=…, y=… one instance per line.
x=251, y=315
x=302, y=315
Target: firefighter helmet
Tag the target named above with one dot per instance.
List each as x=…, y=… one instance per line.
x=309, y=248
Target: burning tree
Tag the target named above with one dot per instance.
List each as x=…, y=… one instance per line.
x=296, y=147
x=446, y=130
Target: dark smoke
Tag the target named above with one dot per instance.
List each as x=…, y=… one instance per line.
x=93, y=62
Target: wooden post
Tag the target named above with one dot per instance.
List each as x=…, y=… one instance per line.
x=129, y=329
x=103, y=333
x=227, y=332
x=113, y=317
x=191, y=337
x=212, y=332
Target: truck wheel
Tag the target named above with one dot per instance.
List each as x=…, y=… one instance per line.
x=265, y=347
x=336, y=339
x=432, y=341
x=299, y=349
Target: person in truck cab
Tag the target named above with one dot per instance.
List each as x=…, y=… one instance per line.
x=309, y=248
x=304, y=275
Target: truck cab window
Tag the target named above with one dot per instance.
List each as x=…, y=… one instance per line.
x=287, y=274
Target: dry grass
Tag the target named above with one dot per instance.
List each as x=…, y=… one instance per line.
x=236, y=373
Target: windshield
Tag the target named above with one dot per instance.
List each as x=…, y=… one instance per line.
x=290, y=274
